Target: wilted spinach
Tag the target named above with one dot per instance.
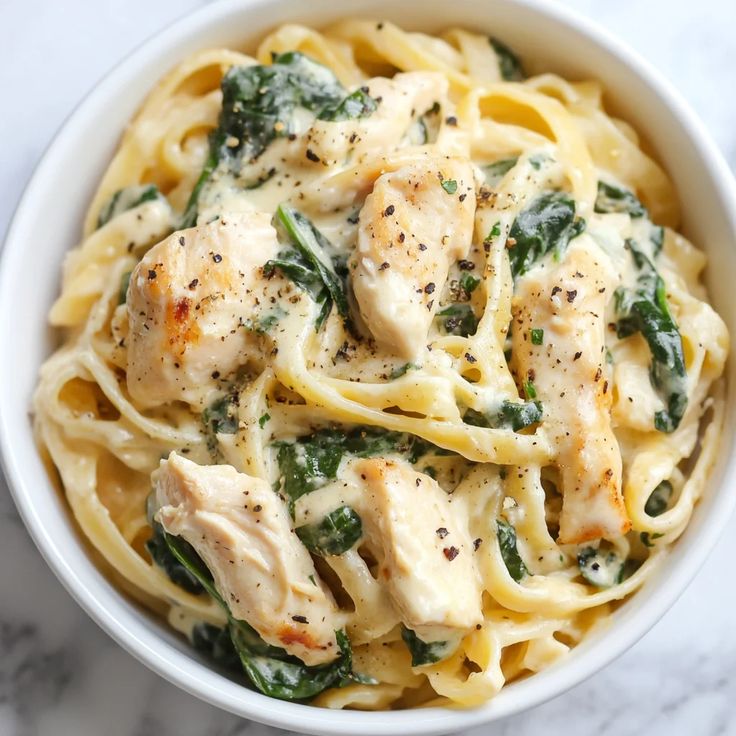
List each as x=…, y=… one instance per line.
x=644, y=309
x=614, y=199
x=508, y=62
x=123, y=290
x=458, y=319
x=547, y=225
x=312, y=461
x=425, y=652
x=258, y=104
x=304, y=266
x=271, y=670
x=507, y=543
x=659, y=499
x=498, y=169
x=335, y=534
x=126, y=199
x=600, y=568
x=162, y=557
x=513, y=415
x=221, y=416
x=358, y=104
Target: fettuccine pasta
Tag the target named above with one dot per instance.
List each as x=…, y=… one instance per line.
x=385, y=374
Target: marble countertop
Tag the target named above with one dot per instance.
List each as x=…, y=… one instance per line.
x=60, y=675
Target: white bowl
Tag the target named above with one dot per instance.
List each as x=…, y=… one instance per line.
x=47, y=223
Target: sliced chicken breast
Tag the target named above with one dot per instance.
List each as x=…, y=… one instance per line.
x=414, y=224
x=424, y=550
x=188, y=301
x=567, y=301
x=399, y=101
x=242, y=531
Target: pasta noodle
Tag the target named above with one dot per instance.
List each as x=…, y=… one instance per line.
x=547, y=402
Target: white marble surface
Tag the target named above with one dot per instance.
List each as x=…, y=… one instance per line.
x=61, y=676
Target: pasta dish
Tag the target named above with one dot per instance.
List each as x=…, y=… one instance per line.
x=385, y=375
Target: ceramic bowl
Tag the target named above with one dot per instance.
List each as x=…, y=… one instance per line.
x=48, y=223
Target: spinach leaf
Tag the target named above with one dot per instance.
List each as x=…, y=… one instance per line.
x=644, y=309
x=258, y=105
x=286, y=677
x=547, y=225
x=221, y=416
x=659, y=499
x=521, y=415
x=498, y=169
x=335, y=534
x=458, y=319
x=508, y=62
x=656, y=237
x=507, y=542
x=263, y=324
x=425, y=128
x=123, y=290
x=358, y=104
x=613, y=199
x=126, y=199
x=425, y=652
x=312, y=461
x=402, y=370
x=600, y=568
x=299, y=269
x=271, y=670
x=163, y=558
x=217, y=644
x=515, y=415
x=188, y=558
x=648, y=539
x=305, y=267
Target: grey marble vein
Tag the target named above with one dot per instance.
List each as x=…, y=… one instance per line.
x=61, y=676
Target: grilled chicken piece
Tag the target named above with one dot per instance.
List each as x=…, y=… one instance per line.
x=187, y=302
x=424, y=551
x=568, y=300
x=399, y=101
x=242, y=531
x=414, y=224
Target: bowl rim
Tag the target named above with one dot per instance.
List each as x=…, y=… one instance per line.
x=107, y=606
